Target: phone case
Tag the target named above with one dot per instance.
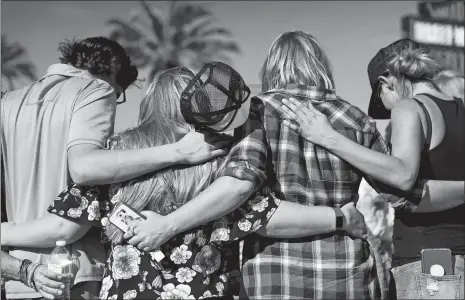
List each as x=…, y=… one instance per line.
x=122, y=215
x=439, y=256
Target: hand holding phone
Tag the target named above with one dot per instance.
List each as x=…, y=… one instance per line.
x=123, y=215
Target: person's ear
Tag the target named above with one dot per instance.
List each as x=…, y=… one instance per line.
x=386, y=82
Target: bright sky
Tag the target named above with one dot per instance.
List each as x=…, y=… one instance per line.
x=350, y=31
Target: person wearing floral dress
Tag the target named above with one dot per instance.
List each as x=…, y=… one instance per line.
x=197, y=263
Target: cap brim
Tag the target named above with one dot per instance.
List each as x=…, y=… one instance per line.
x=376, y=109
x=241, y=117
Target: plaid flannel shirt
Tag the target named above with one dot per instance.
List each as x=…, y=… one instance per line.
x=319, y=267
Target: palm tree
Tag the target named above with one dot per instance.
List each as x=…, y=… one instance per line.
x=15, y=63
x=183, y=36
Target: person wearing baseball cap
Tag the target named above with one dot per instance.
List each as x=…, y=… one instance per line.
x=378, y=67
x=421, y=177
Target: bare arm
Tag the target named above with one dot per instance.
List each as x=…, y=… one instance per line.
x=91, y=165
x=42, y=233
x=222, y=197
x=10, y=266
x=441, y=195
x=293, y=220
x=398, y=170
x=92, y=123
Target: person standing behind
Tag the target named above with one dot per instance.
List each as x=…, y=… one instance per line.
x=53, y=133
x=326, y=266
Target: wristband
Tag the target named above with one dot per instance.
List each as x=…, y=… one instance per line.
x=339, y=218
x=31, y=275
x=23, y=270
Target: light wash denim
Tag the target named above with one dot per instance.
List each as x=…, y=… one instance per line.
x=411, y=283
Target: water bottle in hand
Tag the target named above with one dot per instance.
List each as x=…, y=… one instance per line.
x=60, y=261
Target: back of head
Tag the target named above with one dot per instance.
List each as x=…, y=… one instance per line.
x=161, y=123
x=451, y=83
x=101, y=57
x=413, y=66
x=296, y=57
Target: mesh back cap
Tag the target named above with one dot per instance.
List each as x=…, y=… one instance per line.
x=220, y=103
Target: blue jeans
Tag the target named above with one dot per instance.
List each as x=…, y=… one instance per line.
x=408, y=282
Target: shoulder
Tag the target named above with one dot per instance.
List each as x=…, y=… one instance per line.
x=341, y=113
x=405, y=108
x=91, y=86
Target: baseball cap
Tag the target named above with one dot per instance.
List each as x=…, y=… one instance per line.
x=378, y=67
x=220, y=102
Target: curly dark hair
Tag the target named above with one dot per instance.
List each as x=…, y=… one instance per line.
x=100, y=56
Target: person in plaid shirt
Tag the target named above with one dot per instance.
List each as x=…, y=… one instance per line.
x=326, y=266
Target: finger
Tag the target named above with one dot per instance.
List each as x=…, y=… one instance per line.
x=288, y=112
x=142, y=245
x=290, y=105
x=50, y=291
x=147, y=213
x=219, y=152
x=128, y=234
x=49, y=275
x=305, y=108
x=135, y=240
x=290, y=125
x=46, y=295
x=299, y=108
x=44, y=281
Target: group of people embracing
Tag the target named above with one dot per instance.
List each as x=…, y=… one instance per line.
x=210, y=167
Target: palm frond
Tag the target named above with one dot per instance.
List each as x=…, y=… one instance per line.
x=185, y=14
x=156, y=20
x=27, y=70
x=123, y=30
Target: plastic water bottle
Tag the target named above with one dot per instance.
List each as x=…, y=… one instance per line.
x=60, y=261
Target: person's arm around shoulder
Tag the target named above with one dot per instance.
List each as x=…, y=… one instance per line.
x=399, y=170
x=92, y=123
x=71, y=215
x=244, y=173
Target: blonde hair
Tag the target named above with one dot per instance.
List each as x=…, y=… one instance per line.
x=161, y=123
x=413, y=65
x=451, y=83
x=296, y=57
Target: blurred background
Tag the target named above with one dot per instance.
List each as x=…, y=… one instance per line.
x=163, y=34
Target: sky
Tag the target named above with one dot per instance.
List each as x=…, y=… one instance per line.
x=351, y=32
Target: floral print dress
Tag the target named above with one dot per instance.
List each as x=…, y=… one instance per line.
x=197, y=263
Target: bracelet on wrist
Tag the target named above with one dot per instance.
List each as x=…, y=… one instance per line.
x=30, y=277
x=23, y=270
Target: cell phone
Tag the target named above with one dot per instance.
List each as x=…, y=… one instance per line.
x=122, y=215
x=436, y=256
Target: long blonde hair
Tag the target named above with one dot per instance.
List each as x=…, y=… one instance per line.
x=161, y=123
x=296, y=57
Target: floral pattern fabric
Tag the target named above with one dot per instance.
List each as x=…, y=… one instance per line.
x=197, y=263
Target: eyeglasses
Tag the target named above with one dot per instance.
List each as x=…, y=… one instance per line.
x=124, y=98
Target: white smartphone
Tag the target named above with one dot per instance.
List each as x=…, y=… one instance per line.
x=121, y=217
